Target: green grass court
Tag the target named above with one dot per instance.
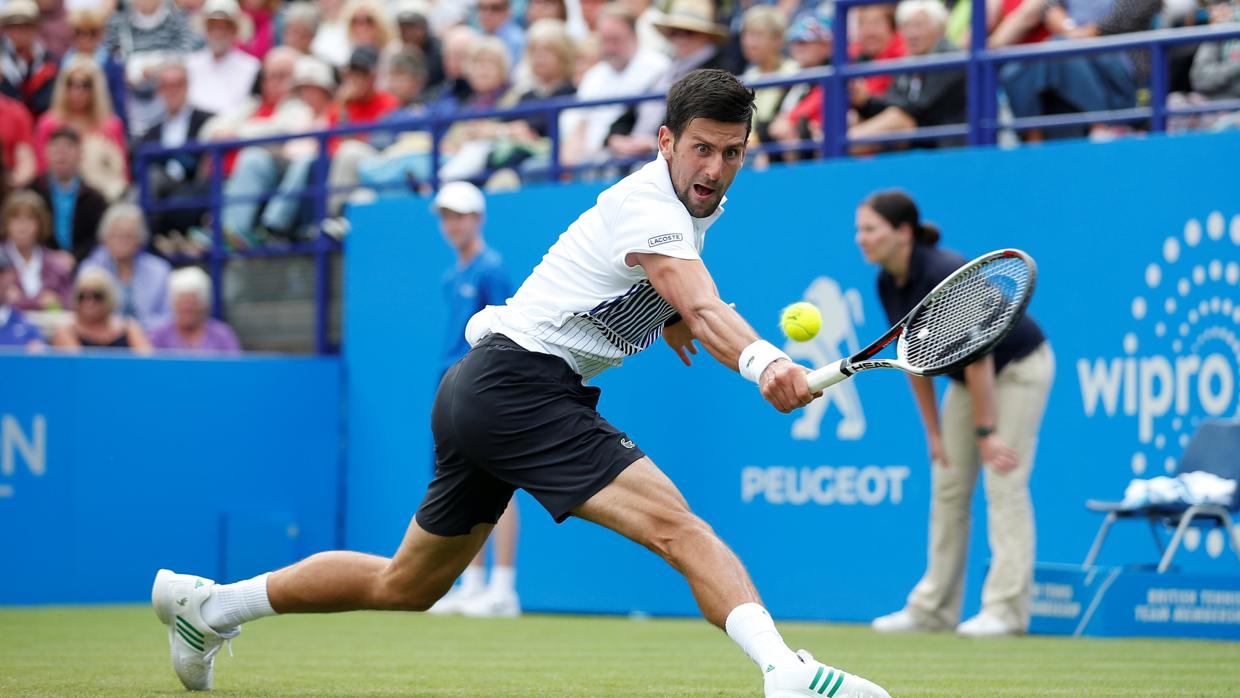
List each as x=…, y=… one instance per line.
x=122, y=651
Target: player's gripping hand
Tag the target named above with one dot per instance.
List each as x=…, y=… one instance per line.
x=784, y=384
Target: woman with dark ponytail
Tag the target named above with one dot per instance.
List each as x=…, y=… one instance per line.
x=989, y=419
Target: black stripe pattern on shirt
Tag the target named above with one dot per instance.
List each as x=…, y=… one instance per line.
x=601, y=337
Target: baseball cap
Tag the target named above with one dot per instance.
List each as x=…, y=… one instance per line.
x=810, y=27
x=19, y=12
x=364, y=58
x=311, y=71
x=461, y=197
x=222, y=9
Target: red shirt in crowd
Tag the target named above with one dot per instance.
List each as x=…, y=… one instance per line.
x=16, y=127
x=1038, y=33
x=362, y=111
x=878, y=84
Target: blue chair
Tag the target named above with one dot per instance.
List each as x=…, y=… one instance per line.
x=1215, y=448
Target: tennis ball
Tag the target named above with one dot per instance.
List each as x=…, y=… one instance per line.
x=800, y=321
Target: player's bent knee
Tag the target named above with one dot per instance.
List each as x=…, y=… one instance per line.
x=397, y=594
x=672, y=534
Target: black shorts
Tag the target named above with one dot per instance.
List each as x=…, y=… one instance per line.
x=507, y=418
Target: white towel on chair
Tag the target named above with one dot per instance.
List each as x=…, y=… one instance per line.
x=1185, y=488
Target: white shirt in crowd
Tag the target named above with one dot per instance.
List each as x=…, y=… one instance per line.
x=220, y=86
x=331, y=43
x=30, y=274
x=602, y=81
x=176, y=129
x=582, y=302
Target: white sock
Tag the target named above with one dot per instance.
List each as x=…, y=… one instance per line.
x=751, y=627
x=473, y=580
x=504, y=578
x=231, y=605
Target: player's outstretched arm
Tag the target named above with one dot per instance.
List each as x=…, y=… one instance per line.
x=688, y=287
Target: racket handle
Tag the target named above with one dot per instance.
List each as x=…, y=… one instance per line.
x=827, y=376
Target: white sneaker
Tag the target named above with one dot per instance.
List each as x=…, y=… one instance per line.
x=901, y=621
x=452, y=601
x=492, y=603
x=178, y=600
x=813, y=678
x=985, y=625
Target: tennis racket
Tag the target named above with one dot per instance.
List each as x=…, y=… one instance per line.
x=958, y=322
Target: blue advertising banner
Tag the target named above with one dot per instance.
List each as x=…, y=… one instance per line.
x=1139, y=294
x=1127, y=601
x=112, y=467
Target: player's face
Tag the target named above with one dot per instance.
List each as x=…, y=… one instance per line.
x=880, y=243
x=703, y=161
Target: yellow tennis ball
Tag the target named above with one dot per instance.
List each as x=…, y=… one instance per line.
x=800, y=321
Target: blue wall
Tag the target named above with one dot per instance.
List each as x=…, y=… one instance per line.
x=1114, y=227
x=112, y=467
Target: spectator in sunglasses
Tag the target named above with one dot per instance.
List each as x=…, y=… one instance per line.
x=81, y=101
x=87, y=27
x=95, y=322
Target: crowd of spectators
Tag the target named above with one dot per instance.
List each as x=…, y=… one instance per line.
x=83, y=83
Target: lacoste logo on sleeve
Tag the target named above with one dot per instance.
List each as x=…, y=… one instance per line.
x=664, y=239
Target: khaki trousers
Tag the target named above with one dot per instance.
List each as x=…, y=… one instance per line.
x=1021, y=390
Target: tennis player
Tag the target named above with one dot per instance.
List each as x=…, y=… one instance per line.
x=991, y=414
x=516, y=412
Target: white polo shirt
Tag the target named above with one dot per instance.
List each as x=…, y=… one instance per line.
x=582, y=302
x=601, y=81
x=220, y=86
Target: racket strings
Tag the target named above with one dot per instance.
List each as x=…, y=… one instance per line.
x=967, y=314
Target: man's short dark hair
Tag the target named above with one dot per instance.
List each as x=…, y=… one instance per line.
x=67, y=133
x=708, y=94
x=409, y=62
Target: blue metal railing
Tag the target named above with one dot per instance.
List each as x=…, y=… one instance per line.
x=981, y=66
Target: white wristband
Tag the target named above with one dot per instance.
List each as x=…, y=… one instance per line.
x=756, y=357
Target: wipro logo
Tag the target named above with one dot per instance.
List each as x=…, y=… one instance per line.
x=1180, y=360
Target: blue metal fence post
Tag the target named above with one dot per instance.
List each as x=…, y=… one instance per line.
x=144, y=189
x=436, y=142
x=553, y=132
x=835, y=99
x=976, y=99
x=1159, y=85
x=322, y=247
x=217, y=255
